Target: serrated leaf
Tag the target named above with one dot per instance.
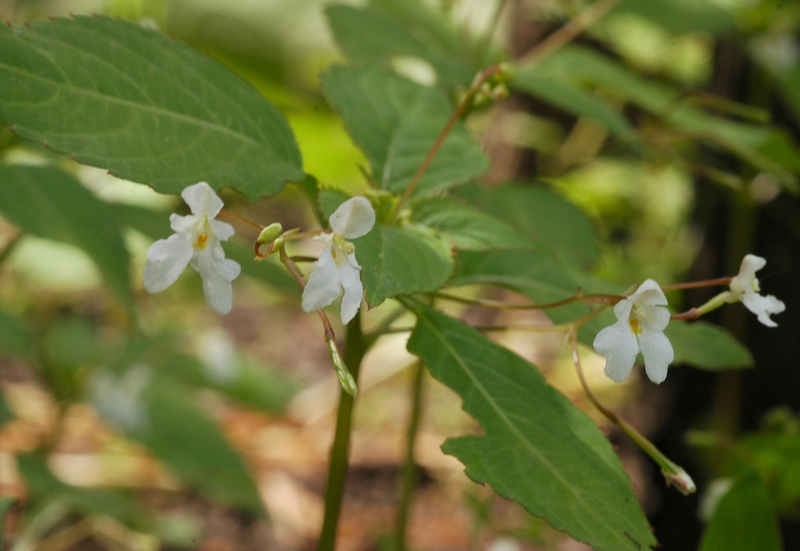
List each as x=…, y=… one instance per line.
x=398, y=261
x=150, y=109
x=370, y=35
x=396, y=122
x=547, y=219
x=49, y=203
x=707, y=346
x=467, y=228
x=744, y=519
x=537, y=448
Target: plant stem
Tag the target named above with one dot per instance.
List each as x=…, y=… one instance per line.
x=241, y=219
x=337, y=468
x=569, y=32
x=409, y=475
x=597, y=298
x=479, y=79
x=673, y=473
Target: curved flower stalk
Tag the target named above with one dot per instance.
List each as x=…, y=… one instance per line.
x=337, y=267
x=196, y=242
x=641, y=320
x=745, y=288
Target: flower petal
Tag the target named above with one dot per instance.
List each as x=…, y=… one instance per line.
x=354, y=218
x=350, y=278
x=763, y=307
x=180, y=224
x=656, y=318
x=618, y=344
x=323, y=284
x=217, y=277
x=658, y=354
x=202, y=199
x=166, y=259
x=649, y=293
x=222, y=230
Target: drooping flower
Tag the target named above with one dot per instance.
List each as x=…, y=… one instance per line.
x=745, y=288
x=641, y=320
x=196, y=242
x=337, y=267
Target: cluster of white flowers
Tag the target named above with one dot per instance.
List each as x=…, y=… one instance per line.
x=197, y=242
x=642, y=318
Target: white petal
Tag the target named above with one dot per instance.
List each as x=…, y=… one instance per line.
x=622, y=309
x=649, y=292
x=618, y=344
x=763, y=307
x=183, y=223
x=350, y=278
x=166, y=259
x=323, y=283
x=354, y=218
x=217, y=277
x=656, y=318
x=222, y=230
x=202, y=199
x=658, y=354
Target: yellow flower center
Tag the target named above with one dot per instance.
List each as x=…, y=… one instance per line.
x=634, y=323
x=201, y=241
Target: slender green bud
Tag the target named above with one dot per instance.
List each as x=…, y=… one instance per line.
x=345, y=379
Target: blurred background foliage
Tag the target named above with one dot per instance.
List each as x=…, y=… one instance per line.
x=672, y=123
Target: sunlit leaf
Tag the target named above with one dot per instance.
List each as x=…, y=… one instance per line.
x=49, y=203
x=537, y=448
x=396, y=122
x=398, y=261
x=744, y=519
x=150, y=109
x=707, y=346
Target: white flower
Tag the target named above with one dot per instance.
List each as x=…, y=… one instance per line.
x=196, y=241
x=641, y=320
x=337, y=268
x=745, y=288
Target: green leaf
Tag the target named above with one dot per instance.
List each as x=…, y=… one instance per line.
x=150, y=109
x=546, y=218
x=707, y=346
x=467, y=228
x=396, y=122
x=49, y=203
x=541, y=277
x=577, y=66
x=398, y=261
x=372, y=36
x=141, y=398
x=575, y=101
x=682, y=16
x=537, y=448
x=329, y=200
x=744, y=519
x=776, y=457
x=42, y=485
x=155, y=225
x=15, y=337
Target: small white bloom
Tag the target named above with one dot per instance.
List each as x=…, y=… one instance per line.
x=641, y=320
x=337, y=268
x=745, y=288
x=118, y=398
x=196, y=242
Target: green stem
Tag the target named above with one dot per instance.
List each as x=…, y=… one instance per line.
x=409, y=475
x=337, y=468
